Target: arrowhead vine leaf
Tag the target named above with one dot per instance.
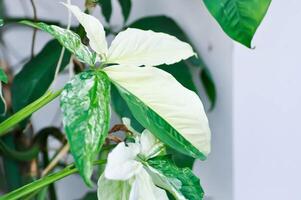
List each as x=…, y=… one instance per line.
x=86, y=114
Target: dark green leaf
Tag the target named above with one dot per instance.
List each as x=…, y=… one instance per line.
x=90, y=196
x=69, y=40
x=4, y=79
x=106, y=8
x=182, y=73
x=239, y=18
x=180, y=159
x=86, y=116
x=180, y=182
x=126, y=6
x=3, y=76
x=121, y=108
x=37, y=75
x=209, y=86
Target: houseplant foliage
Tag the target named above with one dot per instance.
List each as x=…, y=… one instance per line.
x=145, y=76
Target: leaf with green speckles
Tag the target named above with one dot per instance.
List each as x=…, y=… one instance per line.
x=86, y=116
x=180, y=182
x=69, y=40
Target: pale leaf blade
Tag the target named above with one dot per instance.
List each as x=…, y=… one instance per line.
x=174, y=114
x=94, y=29
x=138, y=47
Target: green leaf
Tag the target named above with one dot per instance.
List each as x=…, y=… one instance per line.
x=4, y=79
x=3, y=76
x=69, y=40
x=27, y=111
x=86, y=116
x=122, y=109
x=182, y=73
x=209, y=86
x=161, y=24
x=180, y=182
x=106, y=8
x=90, y=196
x=239, y=18
x=37, y=75
x=112, y=189
x=1, y=22
x=126, y=6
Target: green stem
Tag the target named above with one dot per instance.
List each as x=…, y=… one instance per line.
x=43, y=182
x=27, y=111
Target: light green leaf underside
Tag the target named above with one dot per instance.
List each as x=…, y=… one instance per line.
x=172, y=113
x=86, y=114
x=113, y=190
x=69, y=40
x=239, y=18
x=180, y=182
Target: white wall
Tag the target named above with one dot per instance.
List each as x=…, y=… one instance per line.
x=267, y=109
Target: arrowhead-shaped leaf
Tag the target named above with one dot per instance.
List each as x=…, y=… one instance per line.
x=239, y=18
x=86, y=115
x=180, y=182
x=174, y=114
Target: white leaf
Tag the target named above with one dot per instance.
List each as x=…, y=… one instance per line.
x=112, y=190
x=178, y=106
x=137, y=47
x=127, y=122
x=121, y=163
x=94, y=29
x=150, y=146
x=143, y=188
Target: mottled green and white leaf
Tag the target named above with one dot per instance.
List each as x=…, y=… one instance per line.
x=174, y=114
x=180, y=182
x=69, y=40
x=137, y=47
x=112, y=189
x=86, y=115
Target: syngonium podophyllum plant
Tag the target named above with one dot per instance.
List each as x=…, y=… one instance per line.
x=138, y=167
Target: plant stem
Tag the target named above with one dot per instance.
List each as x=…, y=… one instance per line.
x=34, y=30
x=27, y=111
x=41, y=183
